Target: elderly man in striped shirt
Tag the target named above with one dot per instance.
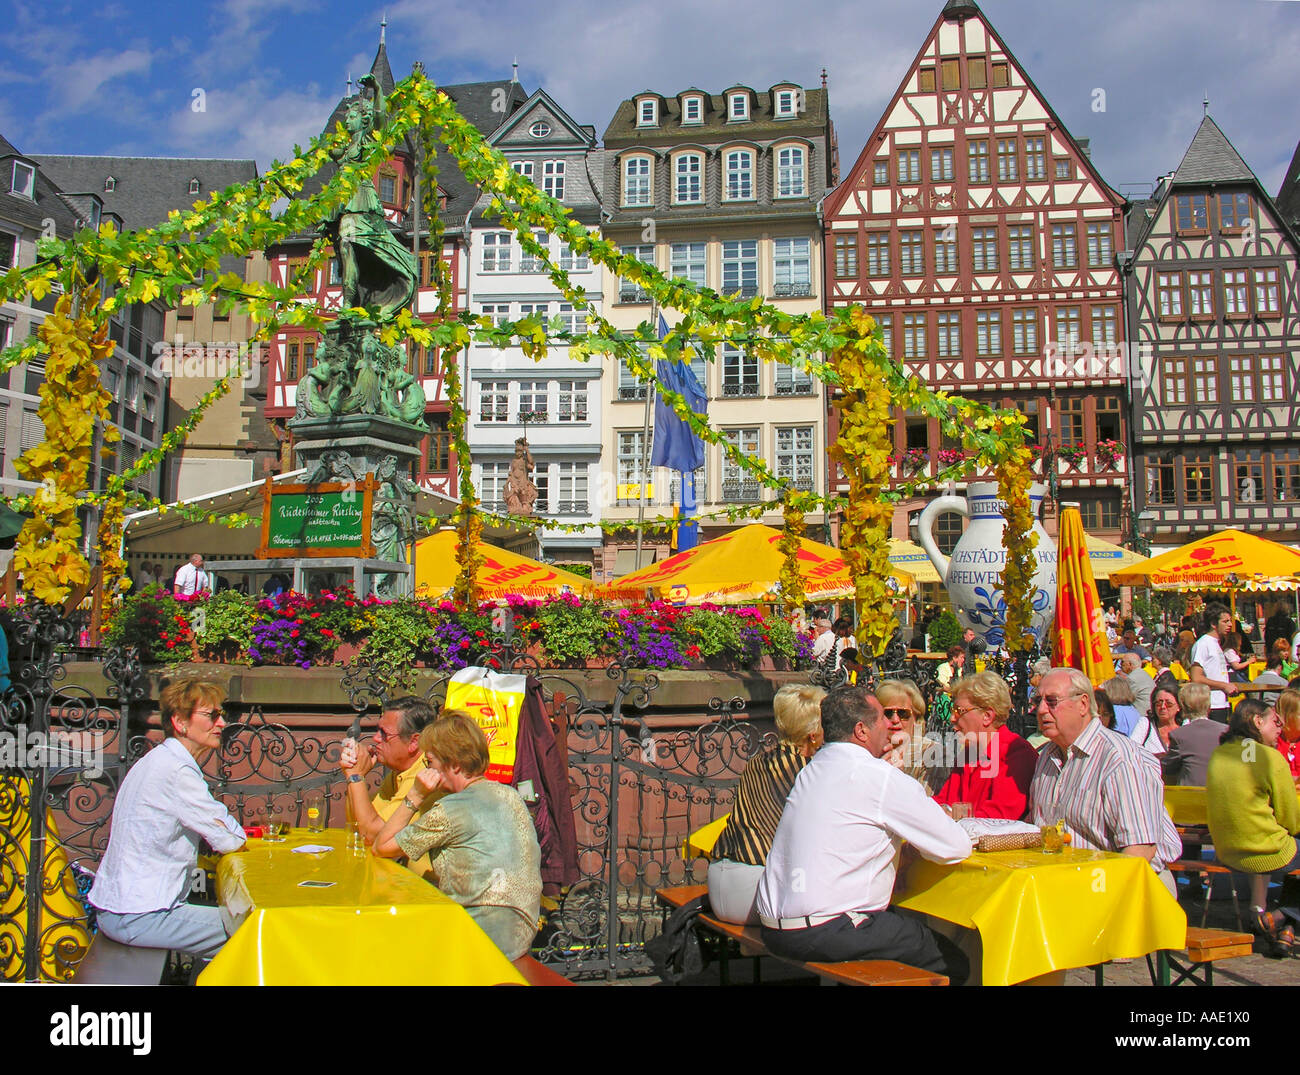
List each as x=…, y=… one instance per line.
x=1106, y=788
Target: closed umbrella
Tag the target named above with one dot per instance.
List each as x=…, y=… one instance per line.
x=1079, y=630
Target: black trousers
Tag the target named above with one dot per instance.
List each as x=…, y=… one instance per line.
x=884, y=935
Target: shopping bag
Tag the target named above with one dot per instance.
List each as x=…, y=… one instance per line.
x=495, y=701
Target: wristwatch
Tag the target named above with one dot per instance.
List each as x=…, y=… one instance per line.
x=355, y=778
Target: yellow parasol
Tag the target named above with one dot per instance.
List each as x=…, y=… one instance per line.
x=1079, y=630
x=503, y=573
x=1107, y=559
x=740, y=567
x=910, y=557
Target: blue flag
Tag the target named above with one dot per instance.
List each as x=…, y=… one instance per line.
x=675, y=445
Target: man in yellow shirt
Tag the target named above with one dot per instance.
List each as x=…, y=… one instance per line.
x=396, y=744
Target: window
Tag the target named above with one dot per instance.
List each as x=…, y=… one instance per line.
x=909, y=166
x=1241, y=378
x=1070, y=414
x=540, y=129
x=573, y=401
x=787, y=102
x=194, y=186
x=1286, y=479
x=886, y=324
x=1160, y=478
x=977, y=72
x=1234, y=210
x=9, y=250
x=553, y=179
x=492, y=486
x=438, y=453
x=572, y=262
x=647, y=113
x=737, y=485
x=881, y=177
x=291, y=350
x=498, y=313
x=977, y=159
x=690, y=170
x=984, y=249
x=1001, y=76
x=1235, y=301
x=1008, y=160
x=949, y=326
x=792, y=380
x=110, y=185
x=308, y=354
x=1272, y=379
x=1177, y=381
x=951, y=74
x=846, y=257
x=630, y=290
x=1035, y=159
x=1169, y=289
x=1200, y=289
x=494, y=401
x=945, y=252
x=737, y=106
x=1191, y=212
x=739, y=372
x=740, y=267
x=1248, y=479
x=925, y=80
x=792, y=267
x=688, y=261
x=1205, y=379
x=529, y=262
x=571, y=492
x=878, y=253
x=693, y=110
x=496, y=251
x=387, y=189
x=1198, y=478
x=630, y=386
x=1064, y=169
x=1024, y=331
x=790, y=173
x=1099, y=245
x=24, y=180
x=947, y=532
x=540, y=310
x=1266, y=295
x=533, y=401
x=941, y=165
x=794, y=456
x=914, y=336
x=1065, y=252
x=1068, y=322
x=912, y=252
x=988, y=333
x=1105, y=326
x=1101, y=514
x=740, y=175
x=636, y=181
x=1106, y=411
x=1020, y=239
x=571, y=321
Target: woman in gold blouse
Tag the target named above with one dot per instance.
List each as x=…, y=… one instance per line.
x=741, y=851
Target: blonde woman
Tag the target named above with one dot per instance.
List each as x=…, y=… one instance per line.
x=998, y=764
x=904, y=707
x=741, y=852
x=1288, y=709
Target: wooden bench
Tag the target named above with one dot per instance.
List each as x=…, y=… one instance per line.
x=110, y=963
x=749, y=941
x=1204, y=948
x=1207, y=870
x=538, y=973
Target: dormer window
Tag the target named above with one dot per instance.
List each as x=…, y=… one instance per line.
x=787, y=103
x=95, y=212
x=738, y=106
x=110, y=185
x=24, y=180
x=647, y=112
x=194, y=186
x=693, y=110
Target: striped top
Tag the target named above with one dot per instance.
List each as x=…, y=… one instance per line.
x=1109, y=792
x=760, y=797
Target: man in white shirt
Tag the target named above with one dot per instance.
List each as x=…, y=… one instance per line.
x=1210, y=666
x=838, y=638
x=191, y=579
x=825, y=891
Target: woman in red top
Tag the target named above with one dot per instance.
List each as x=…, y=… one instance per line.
x=1288, y=708
x=999, y=765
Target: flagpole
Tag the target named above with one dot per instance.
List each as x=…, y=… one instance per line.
x=645, y=451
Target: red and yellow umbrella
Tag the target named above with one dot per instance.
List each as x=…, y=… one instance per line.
x=503, y=573
x=1079, y=631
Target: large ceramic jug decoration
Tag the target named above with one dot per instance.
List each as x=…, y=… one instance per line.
x=973, y=577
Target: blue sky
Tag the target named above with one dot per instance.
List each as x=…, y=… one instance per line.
x=116, y=77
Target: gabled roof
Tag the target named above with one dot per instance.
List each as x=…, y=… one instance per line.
x=1288, y=194
x=1211, y=159
x=49, y=201
x=577, y=131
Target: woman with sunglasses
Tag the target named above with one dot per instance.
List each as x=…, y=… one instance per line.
x=1165, y=713
x=918, y=755
x=163, y=810
x=996, y=765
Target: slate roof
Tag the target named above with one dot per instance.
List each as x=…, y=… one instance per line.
x=49, y=202
x=1211, y=159
x=762, y=124
x=1288, y=194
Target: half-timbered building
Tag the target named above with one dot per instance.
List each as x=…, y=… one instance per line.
x=1213, y=310
x=978, y=233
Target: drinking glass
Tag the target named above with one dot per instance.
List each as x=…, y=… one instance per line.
x=316, y=813
x=1053, y=842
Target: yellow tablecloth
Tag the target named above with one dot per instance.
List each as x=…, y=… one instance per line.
x=1039, y=913
x=378, y=924
x=1188, y=806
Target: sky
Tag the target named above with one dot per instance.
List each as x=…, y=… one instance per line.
x=121, y=78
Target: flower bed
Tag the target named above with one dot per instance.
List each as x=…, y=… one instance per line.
x=563, y=631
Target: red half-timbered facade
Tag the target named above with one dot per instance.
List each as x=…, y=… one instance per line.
x=977, y=232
